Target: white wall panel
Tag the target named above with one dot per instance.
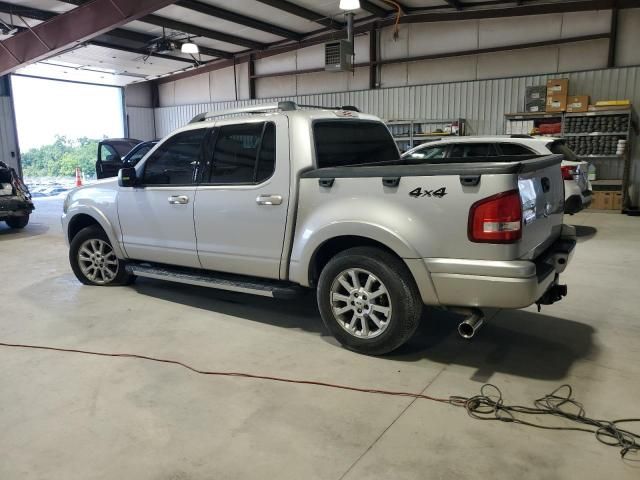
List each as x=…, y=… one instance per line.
x=359, y=79
x=575, y=24
x=393, y=75
x=192, y=90
x=443, y=70
x=628, y=51
x=391, y=47
x=166, y=92
x=583, y=56
x=518, y=62
x=275, y=86
x=142, y=124
x=222, y=86
x=323, y=82
x=284, y=62
x=495, y=32
x=445, y=37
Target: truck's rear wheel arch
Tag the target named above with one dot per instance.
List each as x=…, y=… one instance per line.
x=80, y=221
x=330, y=248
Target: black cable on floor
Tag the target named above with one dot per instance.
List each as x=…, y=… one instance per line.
x=487, y=405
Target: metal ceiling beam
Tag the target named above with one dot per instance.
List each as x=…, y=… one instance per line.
x=119, y=33
x=141, y=51
x=201, y=31
x=238, y=18
x=191, y=29
x=78, y=25
x=373, y=8
x=303, y=12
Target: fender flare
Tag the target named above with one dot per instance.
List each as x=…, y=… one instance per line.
x=104, y=223
x=304, y=251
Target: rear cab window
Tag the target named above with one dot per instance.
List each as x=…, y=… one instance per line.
x=347, y=143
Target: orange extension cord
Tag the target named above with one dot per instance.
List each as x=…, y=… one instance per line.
x=232, y=374
x=488, y=405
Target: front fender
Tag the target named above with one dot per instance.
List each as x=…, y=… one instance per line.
x=100, y=204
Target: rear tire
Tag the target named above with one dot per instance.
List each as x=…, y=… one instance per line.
x=369, y=300
x=18, y=222
x=94, y=261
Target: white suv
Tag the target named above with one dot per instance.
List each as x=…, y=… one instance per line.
x=575, y=172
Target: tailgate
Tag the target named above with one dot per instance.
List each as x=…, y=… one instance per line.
x=542, y=193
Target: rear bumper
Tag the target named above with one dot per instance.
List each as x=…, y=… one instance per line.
x=500, y=284
x=12, y=206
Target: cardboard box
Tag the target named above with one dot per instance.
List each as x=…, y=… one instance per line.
x=534, y=106
x=536, y=92
x=616, y=202
x=558, y=86
x=556, y=103
x=606, y=200
x=578, y=103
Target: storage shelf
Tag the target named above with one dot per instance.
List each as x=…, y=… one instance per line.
x=625, y=111
x=607, y=182
x=597, y=134
x=532, y=115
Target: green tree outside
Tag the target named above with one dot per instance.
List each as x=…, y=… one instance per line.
x=61, y=158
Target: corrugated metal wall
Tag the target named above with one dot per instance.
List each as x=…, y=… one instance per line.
x=8, y=142
x=483, y=103
x=141, y=123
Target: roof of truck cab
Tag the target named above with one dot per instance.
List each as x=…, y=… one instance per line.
x=302, y=114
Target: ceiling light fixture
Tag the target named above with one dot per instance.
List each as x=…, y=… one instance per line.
x=349, y=4
x=190, y=47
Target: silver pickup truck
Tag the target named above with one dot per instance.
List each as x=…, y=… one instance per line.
x=272, y=199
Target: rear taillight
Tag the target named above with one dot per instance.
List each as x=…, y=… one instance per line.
x=568, y=172
x=497, y=219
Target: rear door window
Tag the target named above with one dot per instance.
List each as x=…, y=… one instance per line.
x=473, y=150
x=244, y=154
x=515, y=149
x=341, y=143
x=428, y=154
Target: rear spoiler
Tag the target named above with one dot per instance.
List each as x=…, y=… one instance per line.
x=396, y=169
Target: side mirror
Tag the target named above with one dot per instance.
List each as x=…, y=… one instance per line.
x=127, y=177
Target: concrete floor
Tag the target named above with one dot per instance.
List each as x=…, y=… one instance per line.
x=66, y=416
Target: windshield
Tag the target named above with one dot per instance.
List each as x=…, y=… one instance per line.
x=559, y=147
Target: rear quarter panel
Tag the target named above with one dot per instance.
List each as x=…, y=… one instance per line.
x=413, y=227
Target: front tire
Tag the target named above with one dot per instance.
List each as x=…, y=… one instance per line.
x=94, y=261
x=18, y=222
x=368, y=300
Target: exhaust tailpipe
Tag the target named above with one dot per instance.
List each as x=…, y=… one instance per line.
x=468, y=327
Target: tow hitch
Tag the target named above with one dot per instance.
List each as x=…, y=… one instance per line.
x=552, y=295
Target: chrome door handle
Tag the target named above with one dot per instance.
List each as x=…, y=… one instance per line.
x=178, y=199
x=269, y=199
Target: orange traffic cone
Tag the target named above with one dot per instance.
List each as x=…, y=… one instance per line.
x=78, y=177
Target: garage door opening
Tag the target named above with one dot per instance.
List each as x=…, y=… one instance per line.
x=59, y=126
